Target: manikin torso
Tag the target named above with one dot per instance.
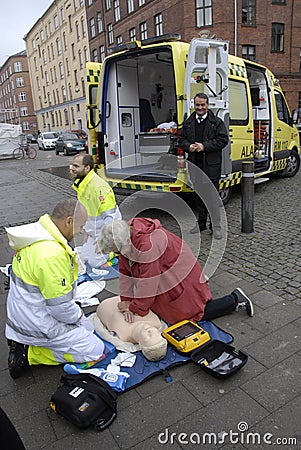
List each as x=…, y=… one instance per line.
x=144, y=330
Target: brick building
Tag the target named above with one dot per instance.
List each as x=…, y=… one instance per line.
x=16, y=105
x=267, y=31
x=57, y=50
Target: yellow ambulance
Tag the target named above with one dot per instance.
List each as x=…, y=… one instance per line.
x=138, y=98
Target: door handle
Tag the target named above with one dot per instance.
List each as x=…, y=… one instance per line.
x=249, y=131
x=279, y=129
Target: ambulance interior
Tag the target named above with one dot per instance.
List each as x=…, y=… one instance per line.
x=261, y=116
x=140, y=116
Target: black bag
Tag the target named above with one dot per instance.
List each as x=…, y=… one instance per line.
x=85, y=400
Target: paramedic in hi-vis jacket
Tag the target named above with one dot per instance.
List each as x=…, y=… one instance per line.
x=44, y=324
x=203, y=136
x=99, y=200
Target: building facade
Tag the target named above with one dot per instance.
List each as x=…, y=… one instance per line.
x=266, y=31
x=57, y=50
x=16, y=105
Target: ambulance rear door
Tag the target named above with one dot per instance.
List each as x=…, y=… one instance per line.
x=207, y=72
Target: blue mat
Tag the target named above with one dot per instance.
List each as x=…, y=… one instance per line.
x=144, y=369
x=111, y=272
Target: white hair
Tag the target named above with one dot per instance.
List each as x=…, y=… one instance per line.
x=113, y=234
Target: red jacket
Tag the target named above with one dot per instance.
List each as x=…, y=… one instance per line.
x=163, y=276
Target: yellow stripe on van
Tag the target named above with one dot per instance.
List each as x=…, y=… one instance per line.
x=235, y=178
x=279, y=164
x=237, y=70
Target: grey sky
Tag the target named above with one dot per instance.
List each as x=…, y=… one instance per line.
x=16, y=19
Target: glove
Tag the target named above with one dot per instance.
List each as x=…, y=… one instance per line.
x=85, y=322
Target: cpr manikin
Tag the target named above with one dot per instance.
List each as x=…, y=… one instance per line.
x=144, y=331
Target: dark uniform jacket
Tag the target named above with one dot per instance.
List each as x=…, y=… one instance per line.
x=215, y=138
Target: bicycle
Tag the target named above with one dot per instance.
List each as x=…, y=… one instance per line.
x=24, y=150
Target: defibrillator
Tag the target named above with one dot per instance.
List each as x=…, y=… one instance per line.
x=186, y=336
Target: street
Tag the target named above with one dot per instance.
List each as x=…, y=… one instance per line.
x=262, y=399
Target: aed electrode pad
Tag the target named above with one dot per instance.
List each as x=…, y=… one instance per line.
x=186, y=336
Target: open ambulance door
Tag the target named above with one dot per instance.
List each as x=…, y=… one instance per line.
x=207, y=72
x=93, y=71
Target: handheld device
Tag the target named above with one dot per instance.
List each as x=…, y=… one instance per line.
x=186, y=336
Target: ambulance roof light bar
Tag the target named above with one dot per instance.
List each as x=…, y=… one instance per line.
x=132, y=45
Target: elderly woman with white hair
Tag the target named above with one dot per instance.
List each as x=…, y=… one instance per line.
x=159, y=272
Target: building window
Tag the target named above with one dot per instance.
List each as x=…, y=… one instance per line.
x=46, y=78
x=90, y=2
x=22, y=96
x=132, y=34
x=99, y=23
x=19, y=81
x=108, y=4
x=102, y=52
x=248, y=12
x=25, y=126
x=50, y=28
x=117, y=10
x=66, y=116
x=119, y=39
x=56, y=22
x=92, y=27
x=62, y=15
x=70, y=23
x=18, y=66
x=44, y=57
x=95, y=55
x=80, y=58
x=86, y=50
x=65, y=41
x=58, y=46
x=83, y=26
x=110, y=34
x=73, y=50
x=278, y=2
x=249, y=52
x=203, y=13
x=77, y=31
x=158, y=24
x=131, y=6
x=141, y=2
x=143, y=31
x=24, y=111
x=33, y=43
x=75, y=4
x=277, y=37
x=42, y=35
x=76, y=77
x=62, y=73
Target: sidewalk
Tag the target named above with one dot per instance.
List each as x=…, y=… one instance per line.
x=263, y=398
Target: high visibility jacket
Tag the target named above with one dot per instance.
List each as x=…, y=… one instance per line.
x=99, y=200
x=40, y=306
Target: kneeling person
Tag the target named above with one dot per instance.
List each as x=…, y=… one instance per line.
x=41, y=311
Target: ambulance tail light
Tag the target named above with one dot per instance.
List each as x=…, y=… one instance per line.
x=180, y=159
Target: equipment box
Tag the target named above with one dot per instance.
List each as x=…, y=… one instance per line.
x=219, y=359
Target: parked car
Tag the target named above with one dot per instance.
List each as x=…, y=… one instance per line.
x=31, y=139
x=47, y=140
x=69, y=143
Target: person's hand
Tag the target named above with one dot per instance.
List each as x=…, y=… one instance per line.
x=123, y=306
x=199, y=147
x=128, y=316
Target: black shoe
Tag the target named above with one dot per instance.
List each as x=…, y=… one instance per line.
x=197, y=229
x=243, y=302
x=17, y=358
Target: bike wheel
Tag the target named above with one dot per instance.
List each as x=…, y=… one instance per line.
x=18, y=153
x=31, y=152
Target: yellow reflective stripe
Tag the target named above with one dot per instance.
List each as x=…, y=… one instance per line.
x=41, y=355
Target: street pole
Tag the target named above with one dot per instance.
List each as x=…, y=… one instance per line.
x=247, y=197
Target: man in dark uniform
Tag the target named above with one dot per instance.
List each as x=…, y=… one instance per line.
x=203, y=136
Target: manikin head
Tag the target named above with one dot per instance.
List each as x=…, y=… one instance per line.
x=152, y=344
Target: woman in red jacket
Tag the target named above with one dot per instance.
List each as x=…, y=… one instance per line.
x=159, y=272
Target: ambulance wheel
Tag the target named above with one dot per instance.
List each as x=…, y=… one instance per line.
x=293, y=165
x=225, y=194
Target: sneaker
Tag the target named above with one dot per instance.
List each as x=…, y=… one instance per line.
x=17, y=359
x=243, y=302
x=197, y=229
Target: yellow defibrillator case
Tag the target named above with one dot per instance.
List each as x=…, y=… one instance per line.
x=186, y=336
